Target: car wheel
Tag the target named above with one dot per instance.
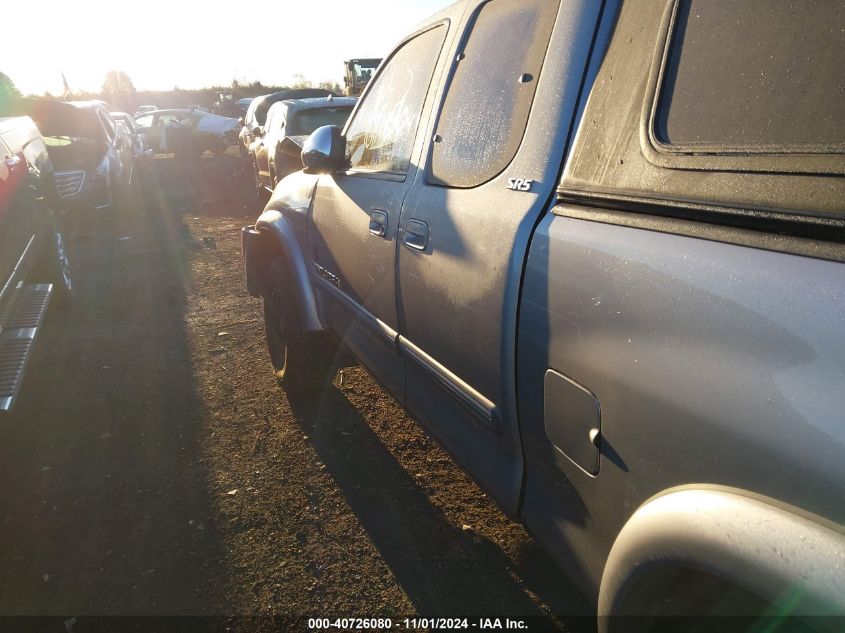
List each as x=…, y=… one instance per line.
x=301, y=361
x=665, y=598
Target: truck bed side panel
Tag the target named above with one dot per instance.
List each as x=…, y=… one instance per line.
x=713, y=363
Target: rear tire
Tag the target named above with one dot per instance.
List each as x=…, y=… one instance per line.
x=673, y=599
x=301, y=360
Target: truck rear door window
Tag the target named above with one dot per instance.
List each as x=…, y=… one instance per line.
x=754, y=74
x=488, y=100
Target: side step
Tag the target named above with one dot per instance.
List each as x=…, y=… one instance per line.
x=17, y=339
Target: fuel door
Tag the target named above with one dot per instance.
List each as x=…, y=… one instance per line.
x=572, y=419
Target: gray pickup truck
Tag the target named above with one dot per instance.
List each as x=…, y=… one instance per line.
x=596, y=250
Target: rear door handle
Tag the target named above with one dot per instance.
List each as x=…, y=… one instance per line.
x=415, y=235
x=378, y=223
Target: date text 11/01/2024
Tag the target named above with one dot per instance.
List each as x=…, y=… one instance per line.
x=381, y=624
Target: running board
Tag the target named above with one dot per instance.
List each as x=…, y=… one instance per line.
x=16, y=340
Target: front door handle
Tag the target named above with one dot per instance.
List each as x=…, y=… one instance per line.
x=378, y=223
x=415, y=235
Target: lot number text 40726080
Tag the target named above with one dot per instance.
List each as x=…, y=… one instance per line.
x=431, y=624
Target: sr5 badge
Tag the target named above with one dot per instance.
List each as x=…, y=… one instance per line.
x=520, y=184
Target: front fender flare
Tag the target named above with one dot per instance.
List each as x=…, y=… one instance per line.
x=274, y=223
x=747, y=540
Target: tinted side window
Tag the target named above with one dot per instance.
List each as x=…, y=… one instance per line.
x=108, y=124
x=754, y=73
x=381, y=135
x=490, y=95
x=35, y=152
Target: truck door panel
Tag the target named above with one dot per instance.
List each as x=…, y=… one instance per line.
x=354, y=263
x=491, y=170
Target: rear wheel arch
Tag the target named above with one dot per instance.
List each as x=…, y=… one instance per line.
x=731, y=538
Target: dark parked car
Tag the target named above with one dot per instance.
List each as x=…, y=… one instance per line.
x=597, y=249
x=277, y=150
x=85, y=149
x=33, y=264
x=256, y=114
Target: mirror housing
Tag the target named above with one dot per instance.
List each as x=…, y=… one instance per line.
x=241, y=121
x=324, y=152
x=257, y=131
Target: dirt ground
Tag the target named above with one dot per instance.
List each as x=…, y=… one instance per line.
x=152, y=466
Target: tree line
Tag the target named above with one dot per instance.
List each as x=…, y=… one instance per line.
x=119, y=91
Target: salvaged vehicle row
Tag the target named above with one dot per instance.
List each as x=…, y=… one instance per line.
x=259, y=107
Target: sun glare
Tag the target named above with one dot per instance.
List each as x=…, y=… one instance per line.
x=162, y=44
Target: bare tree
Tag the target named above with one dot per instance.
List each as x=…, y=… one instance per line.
x=119, y=90
x=331, y=85
x=299, y=81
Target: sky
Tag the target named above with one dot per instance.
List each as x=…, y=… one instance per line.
x=196, y=43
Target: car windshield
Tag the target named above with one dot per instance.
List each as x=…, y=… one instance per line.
x=306, y=121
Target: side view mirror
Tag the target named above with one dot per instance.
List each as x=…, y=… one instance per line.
x=241, y=121
x=324, y=152
x=149, y=153
x=257, y=131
